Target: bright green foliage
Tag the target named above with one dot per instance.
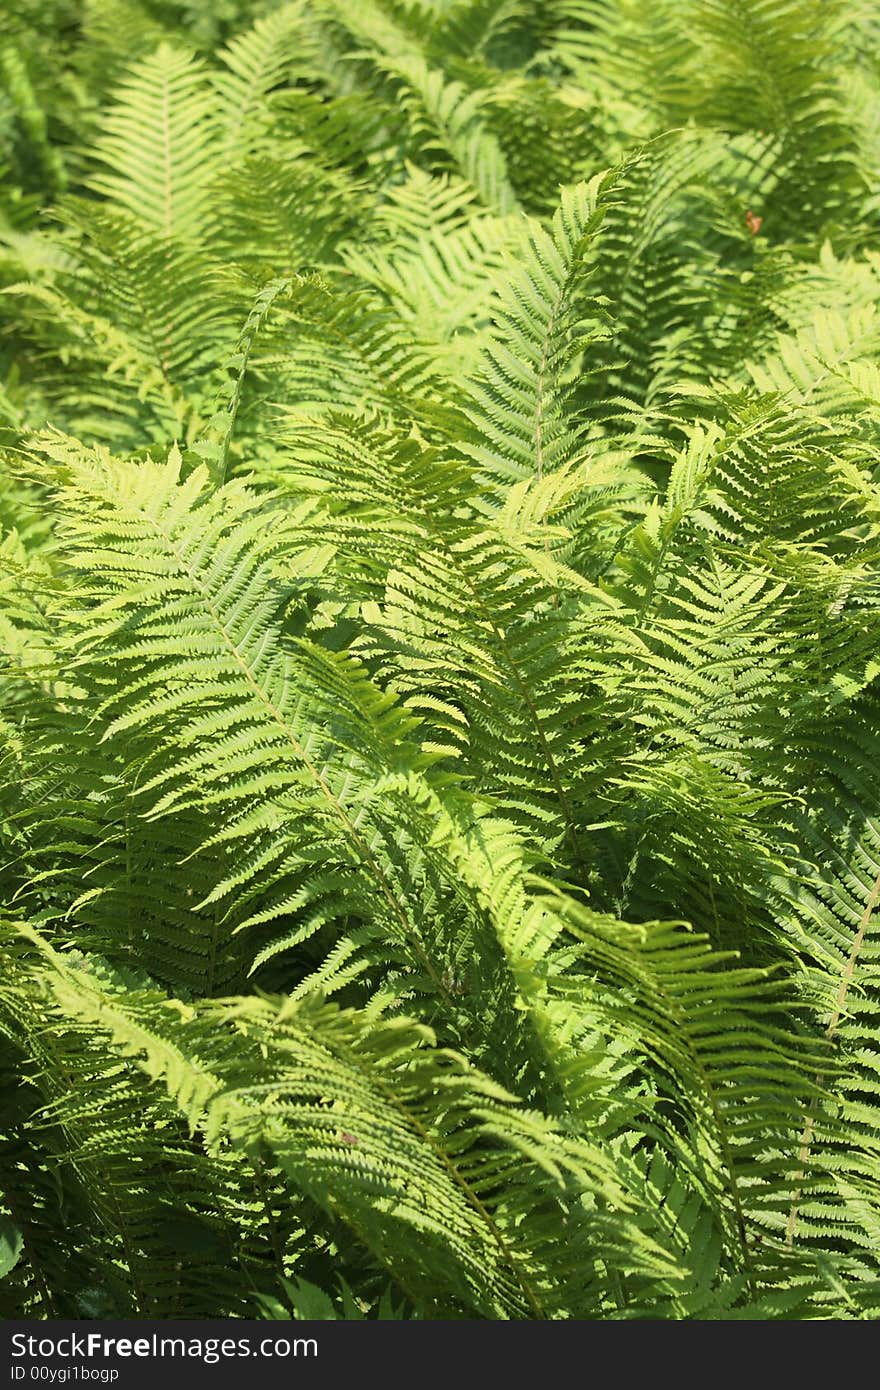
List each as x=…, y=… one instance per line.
x=439, y=620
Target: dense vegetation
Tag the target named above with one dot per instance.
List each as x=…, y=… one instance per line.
x=439, y=615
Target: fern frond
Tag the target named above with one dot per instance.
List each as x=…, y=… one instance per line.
x=159, y=146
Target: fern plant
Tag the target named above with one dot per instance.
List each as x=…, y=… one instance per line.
x=439, y=612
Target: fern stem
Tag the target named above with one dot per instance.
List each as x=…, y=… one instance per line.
x=522, y=687
x=258, y=1165
x=468, y=1192
x=366, y=855
x=849, y=970
x=806, y=1141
